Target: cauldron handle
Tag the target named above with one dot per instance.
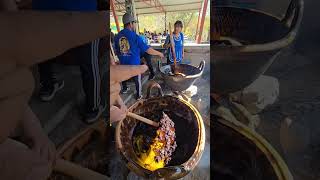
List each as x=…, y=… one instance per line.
x=171, y=172
x=292, y=9
x=152, y=85
x=201, y=65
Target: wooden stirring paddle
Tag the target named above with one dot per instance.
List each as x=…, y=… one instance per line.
x=172, y=45
x=173, y=50
x=143, y=119
x=77, y=171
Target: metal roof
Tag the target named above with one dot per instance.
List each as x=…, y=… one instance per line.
x=159, y=6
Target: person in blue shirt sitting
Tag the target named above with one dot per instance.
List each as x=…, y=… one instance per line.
x=178, y=38
x=129, y=46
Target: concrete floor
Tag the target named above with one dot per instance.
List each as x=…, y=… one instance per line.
x=299, y=100
x=65, y=110
x=297, y=70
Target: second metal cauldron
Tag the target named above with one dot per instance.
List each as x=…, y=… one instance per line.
x=180, y=83
x=262, y=38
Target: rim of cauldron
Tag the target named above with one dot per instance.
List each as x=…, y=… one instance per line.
x=279, y=166
x=269, y=46
x=161, y=69
x=198, y=149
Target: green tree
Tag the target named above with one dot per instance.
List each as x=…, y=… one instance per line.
x=156, y=23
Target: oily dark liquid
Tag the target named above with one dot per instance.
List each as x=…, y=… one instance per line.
x=237, y=158
x=186, y=135
x=219, y=175
x=245, y=26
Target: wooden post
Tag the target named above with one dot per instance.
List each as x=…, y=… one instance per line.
x=115, y=15
x=203, y=17
x=165, y=22
x=198, y=24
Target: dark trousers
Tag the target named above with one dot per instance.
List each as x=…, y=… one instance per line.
x=87, y=57
x=168, y=60
x=147, y=57
x=137, y=81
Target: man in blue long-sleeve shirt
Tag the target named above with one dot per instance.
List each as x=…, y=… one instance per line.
x=129, y=46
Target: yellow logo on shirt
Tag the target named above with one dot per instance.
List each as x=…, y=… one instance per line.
x=124, y=45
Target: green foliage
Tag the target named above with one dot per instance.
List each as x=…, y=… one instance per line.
x=156, y=23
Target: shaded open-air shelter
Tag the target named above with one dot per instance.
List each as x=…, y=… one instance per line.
x=143, y=7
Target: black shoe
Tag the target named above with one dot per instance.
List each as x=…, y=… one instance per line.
x=125, y=91
x=47, y=92
x=151, y=77
x=138, y=97
x=93, y=116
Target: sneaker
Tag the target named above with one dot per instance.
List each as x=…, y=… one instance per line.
x=151, y=77
x=125, y=91
x=93, y=116
x=138, y=97
x=47, y=92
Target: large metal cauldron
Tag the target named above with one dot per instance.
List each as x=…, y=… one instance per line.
x=240, y=153
x=190, y=134
x=259, y=40
x=180, y=83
